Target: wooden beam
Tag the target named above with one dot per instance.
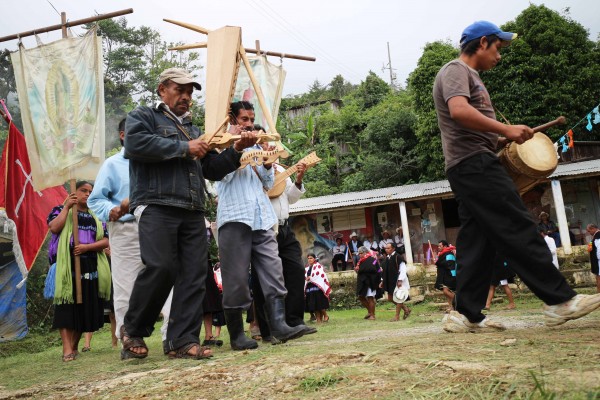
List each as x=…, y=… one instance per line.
x=199, y=45
x=205, y=31
x=281, y=55
x=66, y=24
x=193, y=27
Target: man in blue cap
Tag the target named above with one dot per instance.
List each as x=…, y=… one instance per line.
x=492, y=214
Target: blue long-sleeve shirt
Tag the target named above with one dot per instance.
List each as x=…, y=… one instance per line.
x=111, y=187
x=243, y=199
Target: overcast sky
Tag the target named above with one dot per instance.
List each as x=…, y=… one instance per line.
x=347, y=37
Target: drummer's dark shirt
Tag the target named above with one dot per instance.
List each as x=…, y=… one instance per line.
x=458, y=79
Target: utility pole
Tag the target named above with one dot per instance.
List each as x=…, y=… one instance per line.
x=389, y=66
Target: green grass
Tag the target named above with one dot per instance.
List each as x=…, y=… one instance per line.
x=348, y=358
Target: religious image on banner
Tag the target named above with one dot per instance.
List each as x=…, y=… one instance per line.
x=61, y=93
x=270, y=77
x=25, y=208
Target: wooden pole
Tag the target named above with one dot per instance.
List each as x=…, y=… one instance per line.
x=261, y=100
x=73, y=187
x=77, y=277
x=205, y=31
x=64, y=24
x=258, y=90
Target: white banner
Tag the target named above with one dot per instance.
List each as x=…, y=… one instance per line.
x=270, y=77
x=61, y=94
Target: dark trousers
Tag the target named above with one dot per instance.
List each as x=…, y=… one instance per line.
x=173, y=245
x=240, y=247
x=339, y=262
x=494, y=218
x=290, y=253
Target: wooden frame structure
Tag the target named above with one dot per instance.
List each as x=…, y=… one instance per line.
x=225, y=52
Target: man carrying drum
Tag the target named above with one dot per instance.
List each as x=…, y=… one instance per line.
x=492, y=214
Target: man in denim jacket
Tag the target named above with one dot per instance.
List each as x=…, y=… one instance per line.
x=167, y=168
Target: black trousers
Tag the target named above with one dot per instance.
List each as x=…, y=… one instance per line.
x=494, y=218
x=173, y=245
x=341, y=259
x=290, y=253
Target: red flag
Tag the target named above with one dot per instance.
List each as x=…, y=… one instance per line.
x=27, y=208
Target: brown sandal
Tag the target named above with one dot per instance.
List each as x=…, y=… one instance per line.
x=202, y=352
x=69, y=357
x=131, y=343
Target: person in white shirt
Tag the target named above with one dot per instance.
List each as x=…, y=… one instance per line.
x=386, y=239
x=371, y=244
x=551, y=246
x=245, y=219
x=353, y=246
x=339, y=256
x=290, y=253
x=399, y=237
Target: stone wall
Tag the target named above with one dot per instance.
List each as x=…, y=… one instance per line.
x=575, y=268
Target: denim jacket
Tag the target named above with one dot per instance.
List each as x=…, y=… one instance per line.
x=161, y=170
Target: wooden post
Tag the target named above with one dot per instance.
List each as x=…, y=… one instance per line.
x=77, y=277
x=73, y=187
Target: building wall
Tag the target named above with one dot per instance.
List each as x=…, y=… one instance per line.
x=428, y=223
x=317, y=232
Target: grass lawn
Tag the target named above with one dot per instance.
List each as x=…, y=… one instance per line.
x=348, y=358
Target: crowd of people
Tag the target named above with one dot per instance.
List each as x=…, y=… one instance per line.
x=148, y=206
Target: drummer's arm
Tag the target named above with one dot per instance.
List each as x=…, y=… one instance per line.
x=469, y=117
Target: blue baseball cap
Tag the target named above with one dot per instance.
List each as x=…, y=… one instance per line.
x=484, y=28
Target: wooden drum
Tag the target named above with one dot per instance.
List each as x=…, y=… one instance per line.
x=530, y=162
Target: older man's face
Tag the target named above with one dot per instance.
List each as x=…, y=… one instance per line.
x=177, y=97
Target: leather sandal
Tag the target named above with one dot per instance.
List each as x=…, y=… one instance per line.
x=131, y=343
x=202, y=352
x=69, y=357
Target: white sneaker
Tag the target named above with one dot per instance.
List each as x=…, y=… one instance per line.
x=577, y=307
x=455, y=322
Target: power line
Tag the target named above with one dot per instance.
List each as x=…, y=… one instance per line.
x=53, y=7
x=281, y=22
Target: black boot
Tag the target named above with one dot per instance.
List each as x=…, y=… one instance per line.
x=275, y=309
x=235, y=326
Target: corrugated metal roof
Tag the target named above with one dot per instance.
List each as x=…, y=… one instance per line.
x=589, y=167
x=415, y=191
x=375, y=196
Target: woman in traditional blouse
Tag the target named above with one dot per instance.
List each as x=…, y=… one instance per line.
x=316, y=289
x=70, y=318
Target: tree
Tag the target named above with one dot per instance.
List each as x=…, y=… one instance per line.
x=386, y=144
x=339, y=87
x=552, y=69
x=133, y=60
x=371, y=91
x=420, y=86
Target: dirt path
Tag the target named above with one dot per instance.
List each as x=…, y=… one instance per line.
x=358, y=359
